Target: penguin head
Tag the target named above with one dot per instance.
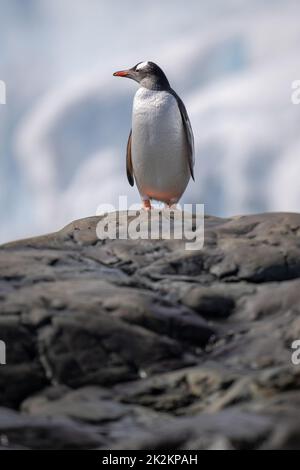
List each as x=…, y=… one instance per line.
x=147, y=74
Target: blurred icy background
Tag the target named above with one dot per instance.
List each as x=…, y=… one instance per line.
x=65, y=126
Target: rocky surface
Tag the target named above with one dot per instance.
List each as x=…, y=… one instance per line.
x=140, y=344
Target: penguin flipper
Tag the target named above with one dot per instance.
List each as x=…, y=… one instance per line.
x=129, y=168
x=188, y=132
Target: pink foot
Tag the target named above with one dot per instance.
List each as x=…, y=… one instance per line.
x=171, y=205
x=147, y=205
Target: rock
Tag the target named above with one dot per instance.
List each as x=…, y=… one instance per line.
x=241, y=431
x=23, y=373
x=143, y=344
x=209, y=302
x=44, y=433
x=105, y=350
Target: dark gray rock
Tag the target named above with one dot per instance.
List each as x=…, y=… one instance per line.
x=45, y=433
x=143, y=344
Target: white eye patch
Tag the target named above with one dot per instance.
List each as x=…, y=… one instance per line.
x=142, y=65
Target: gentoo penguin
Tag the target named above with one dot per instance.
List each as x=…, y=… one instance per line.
x=160, y=149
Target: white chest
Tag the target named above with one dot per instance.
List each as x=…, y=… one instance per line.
x=155, y=115
x=159, y=152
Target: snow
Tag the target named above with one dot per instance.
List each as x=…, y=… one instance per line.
x=64, y=128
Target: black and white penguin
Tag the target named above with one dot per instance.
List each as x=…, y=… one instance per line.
x=160, y=149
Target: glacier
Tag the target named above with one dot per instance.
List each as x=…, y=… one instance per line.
x=65, y=125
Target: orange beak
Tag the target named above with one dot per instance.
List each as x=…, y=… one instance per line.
x=121, y=73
